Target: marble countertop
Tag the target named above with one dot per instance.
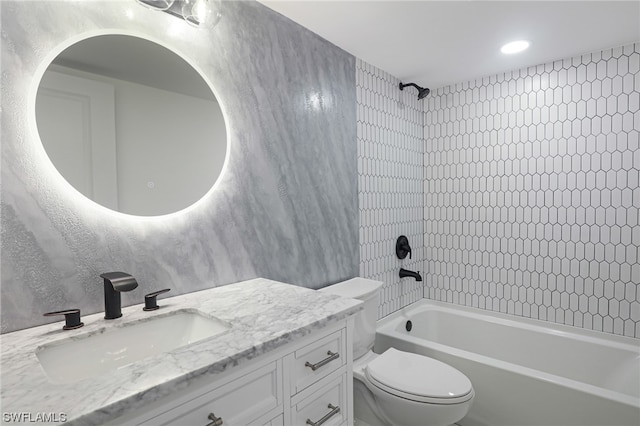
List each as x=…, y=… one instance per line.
x=264, y=315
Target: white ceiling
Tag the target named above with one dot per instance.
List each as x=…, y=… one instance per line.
x=437, y=43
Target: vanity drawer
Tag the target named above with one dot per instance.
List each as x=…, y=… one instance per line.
x=316, y=360
x=328, y=403
x=241, y=402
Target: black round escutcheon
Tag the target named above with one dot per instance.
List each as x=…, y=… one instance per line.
x=408, y=326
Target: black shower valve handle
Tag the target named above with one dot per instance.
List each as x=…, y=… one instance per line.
x=150, y=301
x=402, y=247
x=71, y=317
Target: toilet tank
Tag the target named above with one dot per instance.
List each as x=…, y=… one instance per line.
x=365, y=322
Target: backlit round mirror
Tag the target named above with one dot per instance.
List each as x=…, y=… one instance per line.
x=131, y=125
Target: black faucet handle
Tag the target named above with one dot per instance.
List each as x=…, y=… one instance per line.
x=71, y=316
x=402, y=247
x=150, y=301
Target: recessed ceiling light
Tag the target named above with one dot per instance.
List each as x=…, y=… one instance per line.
x=514, y=47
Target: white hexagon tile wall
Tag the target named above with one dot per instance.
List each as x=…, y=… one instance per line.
x=532, y=192
x=390, y=183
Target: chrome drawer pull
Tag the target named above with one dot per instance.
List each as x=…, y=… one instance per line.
x=325, y=361
x=215, y=421
x=334, y=410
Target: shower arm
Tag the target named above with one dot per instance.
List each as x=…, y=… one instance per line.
x=402, y=86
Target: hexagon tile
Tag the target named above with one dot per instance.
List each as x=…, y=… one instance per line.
x=532, y=193
x=390, y=183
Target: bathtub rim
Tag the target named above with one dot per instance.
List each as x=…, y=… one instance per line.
x=388, y=326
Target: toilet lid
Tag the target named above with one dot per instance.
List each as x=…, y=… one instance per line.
x=418, y=377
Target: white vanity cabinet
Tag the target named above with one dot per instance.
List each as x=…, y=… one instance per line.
x=306, y=382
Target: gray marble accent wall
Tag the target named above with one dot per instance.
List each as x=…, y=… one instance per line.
x=286, y=208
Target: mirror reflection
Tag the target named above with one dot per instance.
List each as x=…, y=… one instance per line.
x=131, y=125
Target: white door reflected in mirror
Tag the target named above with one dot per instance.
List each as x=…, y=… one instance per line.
x=131, y=125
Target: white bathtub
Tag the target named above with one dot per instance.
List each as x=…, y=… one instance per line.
x=525, y=372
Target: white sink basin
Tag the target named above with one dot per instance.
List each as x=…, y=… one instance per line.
x=73, y=360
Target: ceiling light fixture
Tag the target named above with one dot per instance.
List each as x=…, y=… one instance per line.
x=199, y=13
x=515, y=47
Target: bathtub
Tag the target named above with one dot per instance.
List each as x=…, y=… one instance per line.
x=524, y=372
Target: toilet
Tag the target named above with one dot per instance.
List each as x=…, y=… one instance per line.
x=399, y=388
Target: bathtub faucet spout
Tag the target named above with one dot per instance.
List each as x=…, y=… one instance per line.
x=407, y=273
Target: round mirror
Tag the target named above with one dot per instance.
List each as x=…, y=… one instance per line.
x=131, y=125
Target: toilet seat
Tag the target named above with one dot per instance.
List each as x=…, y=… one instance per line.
x=418, y=378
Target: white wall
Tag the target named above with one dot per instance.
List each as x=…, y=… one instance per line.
x=390, y=180
x=532, y=192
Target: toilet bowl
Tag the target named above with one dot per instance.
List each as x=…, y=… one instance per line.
x=398, y=388
x=401, y=388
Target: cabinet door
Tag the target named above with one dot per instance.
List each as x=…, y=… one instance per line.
x=241, y=402
x=327, y=406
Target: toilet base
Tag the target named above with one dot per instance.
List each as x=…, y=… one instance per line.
x=365, y=408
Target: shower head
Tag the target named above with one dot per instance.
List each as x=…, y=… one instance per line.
x=422, y=91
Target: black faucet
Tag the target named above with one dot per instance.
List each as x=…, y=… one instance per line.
x=407, y=273
x=114, y=284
